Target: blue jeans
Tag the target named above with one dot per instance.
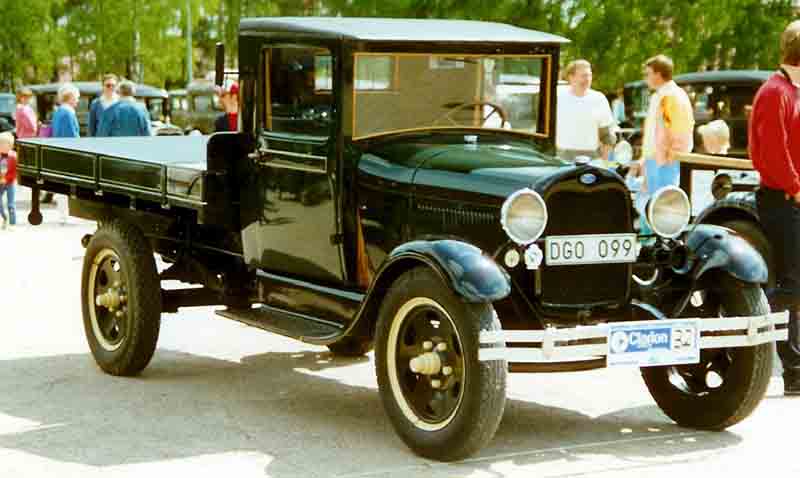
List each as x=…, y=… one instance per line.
x=780, y=218
x=9, y=190
x=657, y=177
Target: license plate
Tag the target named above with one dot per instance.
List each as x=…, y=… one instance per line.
x=654, y=343
x=590, y=249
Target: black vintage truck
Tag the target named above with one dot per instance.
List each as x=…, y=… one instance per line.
x=393, y=185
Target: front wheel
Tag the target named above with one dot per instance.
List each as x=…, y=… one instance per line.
x=443, y=402
x=727, y=384
x=121, y=298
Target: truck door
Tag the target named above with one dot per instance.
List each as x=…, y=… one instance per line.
x=294, y=231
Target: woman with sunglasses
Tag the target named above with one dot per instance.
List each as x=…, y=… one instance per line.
x=102, y=102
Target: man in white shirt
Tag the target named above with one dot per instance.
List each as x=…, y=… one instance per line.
x=584, y=124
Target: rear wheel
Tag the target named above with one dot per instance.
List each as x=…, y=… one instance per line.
x=121, y=298
x=443, y=402
x=727, y=384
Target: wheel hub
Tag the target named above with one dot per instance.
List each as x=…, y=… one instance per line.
x=428, y=363
x=112, y=298
x=109, y=303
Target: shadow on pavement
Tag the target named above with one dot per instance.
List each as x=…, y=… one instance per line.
x=186, y=405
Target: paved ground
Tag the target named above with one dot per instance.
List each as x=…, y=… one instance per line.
x=221, y=399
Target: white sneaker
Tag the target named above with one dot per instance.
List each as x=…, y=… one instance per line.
x=5, y=224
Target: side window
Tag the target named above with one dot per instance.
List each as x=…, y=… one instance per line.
x=298, y=88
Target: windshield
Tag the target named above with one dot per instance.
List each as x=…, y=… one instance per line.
x=400, y=92
x=7, y=104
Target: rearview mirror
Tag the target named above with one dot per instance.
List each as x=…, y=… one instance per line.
x=219, y=66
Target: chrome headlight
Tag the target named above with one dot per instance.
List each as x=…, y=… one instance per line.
x=669, y=212
x=524, y=216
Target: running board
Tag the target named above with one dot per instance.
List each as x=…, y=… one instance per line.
x=297, y=326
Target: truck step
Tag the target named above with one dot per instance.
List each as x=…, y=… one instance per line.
x=297, y=326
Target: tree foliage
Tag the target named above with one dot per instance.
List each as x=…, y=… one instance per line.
x=97, y=36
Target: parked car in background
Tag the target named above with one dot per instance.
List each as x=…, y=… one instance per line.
x=8, y=105
x=198, y=107
x=178, y=101
x=154, y=99
x=723, y=94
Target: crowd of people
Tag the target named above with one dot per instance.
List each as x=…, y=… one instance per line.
x=115, y=112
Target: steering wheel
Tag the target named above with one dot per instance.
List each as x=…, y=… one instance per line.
x=456, y=107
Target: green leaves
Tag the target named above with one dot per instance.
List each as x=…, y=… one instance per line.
x=97, y=36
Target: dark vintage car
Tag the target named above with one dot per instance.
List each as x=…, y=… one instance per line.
x=196, y=107
x=155, y=99
x=723, y=94
x=379, y=195
x=8, y=106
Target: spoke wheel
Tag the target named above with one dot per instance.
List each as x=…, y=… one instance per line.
x=443, y=402
x=107, y=280
x=727, y=384
x=121, y=298
x=429, y=400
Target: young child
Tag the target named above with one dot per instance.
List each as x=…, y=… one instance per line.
x=8, y=179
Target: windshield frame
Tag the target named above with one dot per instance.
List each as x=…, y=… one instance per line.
x=545, y=86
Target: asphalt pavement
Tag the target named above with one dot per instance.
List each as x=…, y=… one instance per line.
x=223, y=399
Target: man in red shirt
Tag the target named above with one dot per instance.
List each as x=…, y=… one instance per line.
x=774, y=138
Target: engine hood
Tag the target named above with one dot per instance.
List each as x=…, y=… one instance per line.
x=486, y=170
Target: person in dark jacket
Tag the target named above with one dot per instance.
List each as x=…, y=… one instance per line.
x=126, y=117
x=229, y=120
x=107, y=98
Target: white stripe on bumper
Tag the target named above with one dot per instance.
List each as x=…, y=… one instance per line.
x=553, y=345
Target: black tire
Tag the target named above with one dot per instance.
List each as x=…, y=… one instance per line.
x=351, y=347
x=121, y=344
x=477, y=388
x=683, y=392
x=754, y=234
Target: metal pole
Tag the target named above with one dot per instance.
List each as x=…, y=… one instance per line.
x=189, y=73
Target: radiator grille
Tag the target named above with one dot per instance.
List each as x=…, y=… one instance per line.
x=578, y=210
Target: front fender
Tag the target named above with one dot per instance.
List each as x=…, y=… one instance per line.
x=472, y=275
x=715, y=247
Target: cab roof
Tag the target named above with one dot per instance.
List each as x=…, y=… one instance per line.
x=397, y=30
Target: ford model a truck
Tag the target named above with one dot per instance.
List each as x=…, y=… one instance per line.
x=380, y=193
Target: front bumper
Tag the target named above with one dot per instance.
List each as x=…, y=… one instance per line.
x=580, y=343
